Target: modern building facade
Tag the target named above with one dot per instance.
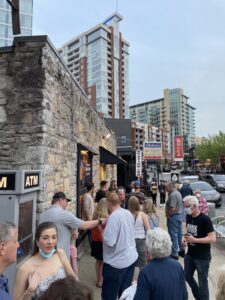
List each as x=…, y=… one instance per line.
x=26, y=16
x=173, y=113
x=99, y=60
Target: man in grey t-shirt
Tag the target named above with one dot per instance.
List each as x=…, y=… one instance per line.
x=119, y=250
x=65, y=221
x=174, y=206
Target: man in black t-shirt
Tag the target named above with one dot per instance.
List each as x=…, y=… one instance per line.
x=200, y=234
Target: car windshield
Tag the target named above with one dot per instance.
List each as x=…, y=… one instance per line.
x=190, y=179
x=203, y=186
x=219, y=177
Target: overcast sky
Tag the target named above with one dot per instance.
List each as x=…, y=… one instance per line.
x=173, y=43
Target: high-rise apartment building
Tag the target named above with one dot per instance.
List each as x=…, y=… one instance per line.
x=26, y=15
x=99, y=60
x=172, y=113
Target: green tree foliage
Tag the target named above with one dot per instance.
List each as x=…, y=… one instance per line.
x=212, y=148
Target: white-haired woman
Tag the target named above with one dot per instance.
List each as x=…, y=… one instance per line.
x=220, y=291
x=163, y=277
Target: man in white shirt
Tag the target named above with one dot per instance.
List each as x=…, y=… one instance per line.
x=119, y=250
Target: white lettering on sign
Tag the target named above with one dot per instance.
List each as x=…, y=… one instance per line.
x=3, y=182
x=31, y=180
x=138, y=163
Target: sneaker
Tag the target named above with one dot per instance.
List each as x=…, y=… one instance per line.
x=160, y=205
x=181, y=253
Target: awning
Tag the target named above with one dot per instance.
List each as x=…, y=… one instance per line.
x=107, y=157
x=84, y=147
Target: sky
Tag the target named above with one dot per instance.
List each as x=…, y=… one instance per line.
x=173, y=43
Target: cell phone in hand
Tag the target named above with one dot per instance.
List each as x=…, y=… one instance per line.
x=187, y=234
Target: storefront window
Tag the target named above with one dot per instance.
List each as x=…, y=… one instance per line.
x=25, y=235
x=85, y=168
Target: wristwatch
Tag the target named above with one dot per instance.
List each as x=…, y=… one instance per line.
x=99, y=222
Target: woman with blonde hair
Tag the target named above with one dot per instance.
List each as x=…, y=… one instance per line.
x=151, y=214
x=220, y=291
x=101, y=211
x=141, y=225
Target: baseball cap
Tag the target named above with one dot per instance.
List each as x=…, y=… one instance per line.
x=137, y=184
x=60, y=195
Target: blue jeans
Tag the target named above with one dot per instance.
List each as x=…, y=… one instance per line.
x=200, y=290
x=174, y=224
x=115, y=281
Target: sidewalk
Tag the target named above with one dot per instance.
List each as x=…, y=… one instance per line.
x=87, y=264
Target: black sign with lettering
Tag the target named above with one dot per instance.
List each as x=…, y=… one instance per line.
x=31, y=180
x=7, y=182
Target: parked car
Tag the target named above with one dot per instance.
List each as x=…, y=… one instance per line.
x=215, y=180
x=192, y=178
x=208, y=192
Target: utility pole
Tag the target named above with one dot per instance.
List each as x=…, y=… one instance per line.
x=15, y=11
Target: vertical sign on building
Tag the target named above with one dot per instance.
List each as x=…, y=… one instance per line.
x=178, y=148
x=138, y=163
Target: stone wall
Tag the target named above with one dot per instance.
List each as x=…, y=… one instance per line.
x=44, y=114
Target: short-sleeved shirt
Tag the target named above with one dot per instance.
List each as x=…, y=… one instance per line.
x=64, y=221
x=119, y=248
x=174, y=201
x=4, y=289
x=199, y=227
x=88, y=205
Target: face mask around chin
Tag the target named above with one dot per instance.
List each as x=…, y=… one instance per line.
x=188, y=210
x=46, y=255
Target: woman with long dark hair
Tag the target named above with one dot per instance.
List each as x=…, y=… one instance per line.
x=46, y=264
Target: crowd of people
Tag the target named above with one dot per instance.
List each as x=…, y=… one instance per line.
x=123, y=230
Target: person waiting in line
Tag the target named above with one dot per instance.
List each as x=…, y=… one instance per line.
x=46, y=265
x=113, y=186
x=101, y=211
x=119, y=250
x=153, y=190
x=163, y=277
x=68, y=289
x=149, y=210
x=88, y=207
x=220, y=288
x=203, y=205
x=122, y=196
x=141, y=225
x=103, y=190
x=8, y=249
x=162, y=193
x=73, y=251
x=200, y=234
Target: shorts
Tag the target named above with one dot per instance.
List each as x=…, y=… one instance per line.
x=142, y=253
x=97, y=250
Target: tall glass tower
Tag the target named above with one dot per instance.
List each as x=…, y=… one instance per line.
x=99, y=60
x=26, y=14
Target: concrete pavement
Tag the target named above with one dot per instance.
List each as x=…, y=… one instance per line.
x=87, y=264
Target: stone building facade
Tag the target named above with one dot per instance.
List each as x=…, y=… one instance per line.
x=44, y=119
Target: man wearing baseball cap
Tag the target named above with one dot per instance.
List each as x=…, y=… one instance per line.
x=65, y=221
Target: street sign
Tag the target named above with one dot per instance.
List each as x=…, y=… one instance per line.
x=138, y=163
x=152, y=150
x=178, y=148
x=175, y=177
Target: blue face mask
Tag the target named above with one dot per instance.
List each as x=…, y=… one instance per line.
x=46, y=255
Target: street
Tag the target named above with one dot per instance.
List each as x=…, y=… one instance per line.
x=220, y=211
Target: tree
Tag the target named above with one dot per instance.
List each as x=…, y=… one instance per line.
x=211, y=148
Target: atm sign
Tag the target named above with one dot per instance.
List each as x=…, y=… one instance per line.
x=7, y=182
x=31, y=180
